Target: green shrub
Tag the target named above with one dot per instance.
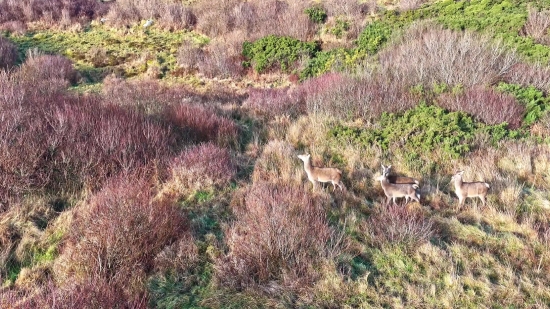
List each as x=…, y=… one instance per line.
x=423, y=129
x=316, y=14
x=536, y=103
x=339, y=28
x=275, y=51
x=373, y=37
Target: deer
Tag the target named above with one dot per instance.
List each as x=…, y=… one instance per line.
x=396, y=190
x=469, y=189
x=397, y=179
x=322, y=174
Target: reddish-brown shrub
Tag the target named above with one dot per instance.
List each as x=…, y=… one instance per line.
x=485, y=104
x=537, y=25
x=93, y=292
x=429, y=54
x=47, y=68
x=281, y=235
x=537, y=75
x=397, y=226
x=277, y=101
x=59, y=141
x=198, y=123
x=203, y=166
x=255, y=19
x=350, y=98
x=8, y=53
x=221, y=59
x=51, y=11
x=118, y=234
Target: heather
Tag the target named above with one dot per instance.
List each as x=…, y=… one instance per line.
x=149, y=154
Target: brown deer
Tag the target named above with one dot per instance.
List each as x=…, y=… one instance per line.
x=396, y=190
x=397, y=179
x=322, y=174
x=469, y=189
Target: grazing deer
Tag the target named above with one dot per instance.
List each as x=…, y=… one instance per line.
x=395, y=190
x=397, y=179
x=322, y=174
x=469, y=189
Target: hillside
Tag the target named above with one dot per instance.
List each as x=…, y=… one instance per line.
x=149, y=154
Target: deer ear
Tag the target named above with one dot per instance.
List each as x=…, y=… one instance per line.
x=389, y=166
x=383, y=166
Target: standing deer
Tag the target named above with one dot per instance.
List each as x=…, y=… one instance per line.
x=469, y=189
x=397, y=179
x=321, y=174
x=396, y=190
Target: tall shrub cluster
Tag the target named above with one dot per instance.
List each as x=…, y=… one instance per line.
x=430, y=55
x=281, y=235
x=54, y=140
x=118, y=234
x=8, y=53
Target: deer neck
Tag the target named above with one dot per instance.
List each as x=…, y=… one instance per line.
x=458, y=182
x=308, y=166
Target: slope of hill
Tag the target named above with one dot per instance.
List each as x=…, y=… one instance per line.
x=148, y=153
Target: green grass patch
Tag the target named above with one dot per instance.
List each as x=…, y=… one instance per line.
x=99, y=48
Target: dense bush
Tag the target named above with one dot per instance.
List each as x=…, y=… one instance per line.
x=204, y=166
x=8, y=53
x=374, y=37
x=277, y=52
x=281, y=235
x=58, y=141
x=118, y=234
x=198, y=123
x=526, y=75
x=254, y=19
x=430, y=55
x=316, y=14
x=275, y=102
x=427, y=128
x=535, y=101
x=44, y=68
x=399, y=226
x=345, y=97
x=485, y=104
x=49, y=11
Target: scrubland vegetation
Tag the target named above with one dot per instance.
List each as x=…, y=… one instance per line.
x=157, y=167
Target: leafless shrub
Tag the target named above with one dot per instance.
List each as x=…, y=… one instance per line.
x=350, y=98
x=55, y=140
x=8, y=53
x=198, y=123
x=49, y=12
x=47, y=68
x=221, y=59
x=119, y=233
x=537, y=25
x=429, y=54
x=93, y=292
x=203, y=166
x=397, y=226
x=281, y=236
x=537, y=75
x=181, y=256
x=176, y=16
x=275, y=102
x=255, y=19
x=408, y=5
x=190, y=57
x=485, y=104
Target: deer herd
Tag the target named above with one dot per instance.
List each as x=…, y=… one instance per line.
x=395, y=186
